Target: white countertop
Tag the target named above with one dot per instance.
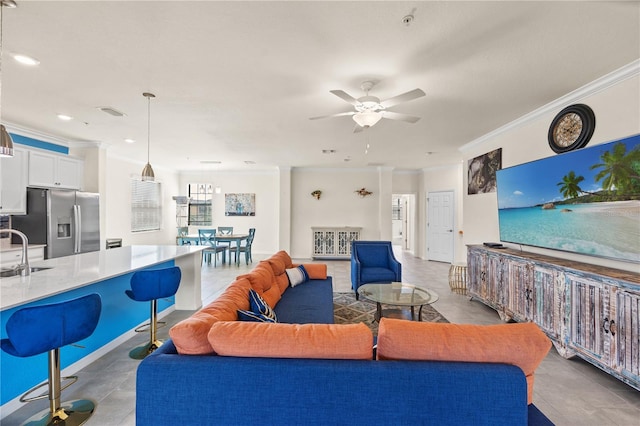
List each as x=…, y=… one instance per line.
x=70, y=272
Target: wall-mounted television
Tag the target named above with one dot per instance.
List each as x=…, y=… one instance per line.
x=585, y=201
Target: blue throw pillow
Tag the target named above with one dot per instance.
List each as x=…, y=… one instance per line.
x=259, y=306
x=297, y=275
x=251, y=316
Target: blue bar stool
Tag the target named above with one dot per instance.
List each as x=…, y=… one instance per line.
x=149, y=286
x=39, y=329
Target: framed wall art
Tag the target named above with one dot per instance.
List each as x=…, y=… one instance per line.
x=240, y=204
x=482, y=172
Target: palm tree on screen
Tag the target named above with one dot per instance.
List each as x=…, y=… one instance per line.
x=570, y=185
x=619, y=168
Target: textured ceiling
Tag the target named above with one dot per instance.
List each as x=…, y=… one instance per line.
x=238, y=81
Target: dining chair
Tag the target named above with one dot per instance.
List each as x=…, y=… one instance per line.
x=245, y=246
x=226, y=230
x=183, y=231
x=207, y=237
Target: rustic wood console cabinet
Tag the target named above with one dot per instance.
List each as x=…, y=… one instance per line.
x=587, y=310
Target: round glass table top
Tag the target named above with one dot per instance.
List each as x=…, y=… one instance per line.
x=401, y=294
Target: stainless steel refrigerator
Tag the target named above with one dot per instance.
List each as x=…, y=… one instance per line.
x=68, y=222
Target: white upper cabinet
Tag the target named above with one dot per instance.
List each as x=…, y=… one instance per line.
x=55, y=171
x=13, y=182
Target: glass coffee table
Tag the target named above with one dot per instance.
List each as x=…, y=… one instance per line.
x=397, y=294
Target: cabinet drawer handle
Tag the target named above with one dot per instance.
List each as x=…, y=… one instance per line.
x=612, y=327
x=606, y=325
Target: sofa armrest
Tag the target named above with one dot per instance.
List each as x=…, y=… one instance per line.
x=355, y=273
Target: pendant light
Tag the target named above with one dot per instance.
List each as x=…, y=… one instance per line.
x=6, y=143
x=147, y=172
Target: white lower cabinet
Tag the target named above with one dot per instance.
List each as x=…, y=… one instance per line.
x=13, y=257
x=333, y=243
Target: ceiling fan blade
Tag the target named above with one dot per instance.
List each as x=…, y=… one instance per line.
x=332, y=115
x=345, y=96
x=401, y=117
x=405, y=97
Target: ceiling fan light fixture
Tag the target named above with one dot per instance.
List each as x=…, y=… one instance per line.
x=367, y=118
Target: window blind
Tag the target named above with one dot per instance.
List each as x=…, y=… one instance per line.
x=146, y=205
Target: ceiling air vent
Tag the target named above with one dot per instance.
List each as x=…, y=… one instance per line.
x=112, y=111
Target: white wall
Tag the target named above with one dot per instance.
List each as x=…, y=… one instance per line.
x=339, y=205
x=617, y=111
x=266, y=187
x=116, y=204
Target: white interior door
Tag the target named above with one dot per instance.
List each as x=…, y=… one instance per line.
x=440, y=224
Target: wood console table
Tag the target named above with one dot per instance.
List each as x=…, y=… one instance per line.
x=587, y=310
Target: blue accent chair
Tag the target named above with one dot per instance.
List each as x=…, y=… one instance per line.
x=149, y=286
x=46, y=328
x=373, y=262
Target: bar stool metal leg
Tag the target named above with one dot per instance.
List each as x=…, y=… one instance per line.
x=71, y=413
x=154, y=343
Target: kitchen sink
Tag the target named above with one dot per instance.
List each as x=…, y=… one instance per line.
x=4, y=273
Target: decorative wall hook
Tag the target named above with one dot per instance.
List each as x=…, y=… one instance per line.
x=316, y=194
x=362, y=192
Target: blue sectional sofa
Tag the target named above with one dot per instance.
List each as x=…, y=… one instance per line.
x=208, y=389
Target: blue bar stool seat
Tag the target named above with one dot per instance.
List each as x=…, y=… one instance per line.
x=46, y=328
x=149, y=286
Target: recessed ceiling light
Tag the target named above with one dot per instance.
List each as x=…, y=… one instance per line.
x=26, y=60
x=65, y=117
x=129, y=140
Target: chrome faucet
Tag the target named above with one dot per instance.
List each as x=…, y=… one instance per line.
x=24, y=267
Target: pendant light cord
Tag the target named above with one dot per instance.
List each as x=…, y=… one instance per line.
x=148, y=96
x=148, y=128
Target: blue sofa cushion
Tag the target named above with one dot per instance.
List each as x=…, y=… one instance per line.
x=376, y=274
x=309, y=302
x=260, y=307
x=253, y=317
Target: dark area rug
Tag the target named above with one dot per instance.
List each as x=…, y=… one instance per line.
x=348, y=310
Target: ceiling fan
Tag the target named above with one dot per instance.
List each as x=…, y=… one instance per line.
x=369, y=109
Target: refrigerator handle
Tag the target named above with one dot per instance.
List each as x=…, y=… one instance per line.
x=77, y=217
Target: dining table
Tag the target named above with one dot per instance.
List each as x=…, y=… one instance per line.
x=194, y=239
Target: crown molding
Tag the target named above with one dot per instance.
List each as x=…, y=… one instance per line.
x=35, y=134
x=616, y=77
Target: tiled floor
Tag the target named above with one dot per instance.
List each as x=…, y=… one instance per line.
x=569, y=392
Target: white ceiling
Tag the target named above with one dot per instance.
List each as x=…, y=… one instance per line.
x=238, y=81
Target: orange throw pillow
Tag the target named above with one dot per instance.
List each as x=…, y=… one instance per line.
x=523, y=344
x=316, y=271
x=190, y=334
x=324, y=341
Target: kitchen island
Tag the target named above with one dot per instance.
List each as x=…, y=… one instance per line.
x=106, y=272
